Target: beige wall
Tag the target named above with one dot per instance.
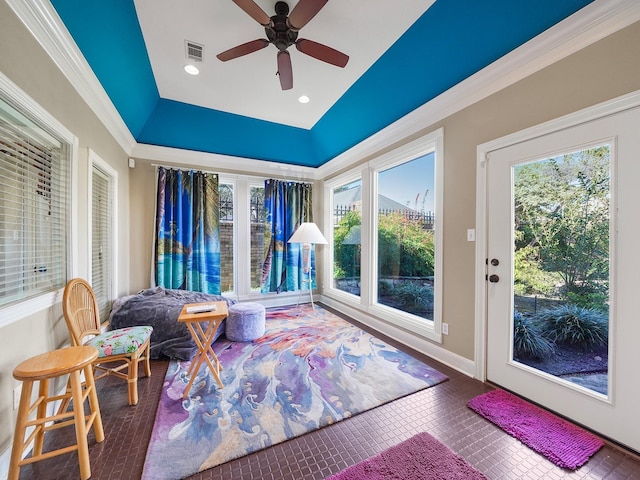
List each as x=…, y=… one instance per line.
x=26, y=64
x=142, y=195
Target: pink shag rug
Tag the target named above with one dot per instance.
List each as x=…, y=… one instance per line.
x=421, y=457
x=562, y=442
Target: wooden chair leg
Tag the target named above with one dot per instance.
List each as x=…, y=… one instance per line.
x=21, y=428
x=81, y=426
x=98, y=429
x=147, y=365
x=133, y=381
x=43, y=392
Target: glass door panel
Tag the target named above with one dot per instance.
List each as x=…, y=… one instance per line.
x=561, y=266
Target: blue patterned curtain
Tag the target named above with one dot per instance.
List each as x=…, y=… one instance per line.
x=287, y=205
x=187, y=250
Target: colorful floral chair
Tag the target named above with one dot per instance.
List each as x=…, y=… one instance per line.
x=119, y=350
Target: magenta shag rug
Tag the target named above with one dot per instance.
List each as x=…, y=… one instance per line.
x=562, y=442
x=420, y=457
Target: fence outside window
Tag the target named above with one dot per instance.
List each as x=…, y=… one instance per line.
x=427, y=219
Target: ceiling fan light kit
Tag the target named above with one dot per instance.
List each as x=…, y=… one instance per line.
x=282, y=31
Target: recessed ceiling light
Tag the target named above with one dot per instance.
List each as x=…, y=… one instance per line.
x=303, y=99
x=191, y=69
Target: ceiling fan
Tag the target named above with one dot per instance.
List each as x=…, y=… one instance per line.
x=282, y=31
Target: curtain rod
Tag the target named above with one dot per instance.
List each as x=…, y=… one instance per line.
x=174, y=167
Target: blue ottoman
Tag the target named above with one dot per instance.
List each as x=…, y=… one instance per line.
x=245, y=322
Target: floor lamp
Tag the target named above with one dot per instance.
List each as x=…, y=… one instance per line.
x=307, y=234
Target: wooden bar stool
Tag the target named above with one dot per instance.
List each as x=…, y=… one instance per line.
x=42, y=368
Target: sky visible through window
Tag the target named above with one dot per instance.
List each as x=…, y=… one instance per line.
x=408, y=181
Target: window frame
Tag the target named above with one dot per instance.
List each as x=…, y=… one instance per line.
x=30, y=108
x=96, y=162
x=252, y=183
x=329, y=187
x=242, y=241
x=367, y=172
x=232, y=182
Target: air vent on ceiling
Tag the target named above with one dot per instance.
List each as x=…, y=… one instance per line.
x=195, y=51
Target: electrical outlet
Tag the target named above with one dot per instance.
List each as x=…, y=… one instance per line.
x=16, y=396
x=445, y=329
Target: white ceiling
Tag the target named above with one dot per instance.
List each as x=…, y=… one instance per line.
x=248, y=85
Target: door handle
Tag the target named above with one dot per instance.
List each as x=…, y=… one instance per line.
x=494, y=278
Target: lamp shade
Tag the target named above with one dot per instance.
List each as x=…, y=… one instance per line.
x=308, y=232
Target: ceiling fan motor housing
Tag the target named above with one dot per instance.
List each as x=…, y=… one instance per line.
x=278, y=32
x=282, y=8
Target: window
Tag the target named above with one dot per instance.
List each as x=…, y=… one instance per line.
x=103, y=233
x=241, y=230
x=226, y=237
x=257, y=217
x=405, y=234
x=35, y=159
x=386, y=236
x=242, y=236
x=347, y=244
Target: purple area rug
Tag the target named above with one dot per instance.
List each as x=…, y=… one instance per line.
x=309, y=370
x=420, y=457
x=562, y=442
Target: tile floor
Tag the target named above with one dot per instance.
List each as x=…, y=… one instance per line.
x=440, y=410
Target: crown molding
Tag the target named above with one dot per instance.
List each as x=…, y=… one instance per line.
x=42, y=20
x=191, y=158
x=590, y=24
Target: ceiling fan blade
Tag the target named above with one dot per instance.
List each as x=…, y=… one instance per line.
x=254, y=11
x=243, y=49
x=304, y=11
x=322, y=52
x=285, y=71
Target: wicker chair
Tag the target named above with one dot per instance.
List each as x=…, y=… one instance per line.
x=119, y=349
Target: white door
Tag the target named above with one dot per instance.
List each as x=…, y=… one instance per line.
x=516, y=187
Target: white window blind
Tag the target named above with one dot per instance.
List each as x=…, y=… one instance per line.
x=101, y=243
x=33, y=207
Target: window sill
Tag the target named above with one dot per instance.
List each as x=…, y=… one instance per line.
x=386, y=315
x=20, y=310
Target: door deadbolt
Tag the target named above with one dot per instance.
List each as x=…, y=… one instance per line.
x=494, y=278
x=495, y=262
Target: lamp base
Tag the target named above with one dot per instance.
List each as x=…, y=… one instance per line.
x=309, y=281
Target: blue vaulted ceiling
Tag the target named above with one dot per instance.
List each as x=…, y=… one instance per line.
x=451, y=41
